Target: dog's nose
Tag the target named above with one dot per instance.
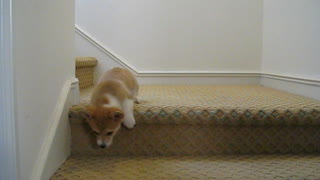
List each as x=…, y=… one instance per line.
x=103, y=146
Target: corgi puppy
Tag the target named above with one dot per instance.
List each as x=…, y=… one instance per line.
x=111, y=104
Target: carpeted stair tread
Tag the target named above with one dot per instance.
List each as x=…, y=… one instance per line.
x=191, y=167
x=86, y=62
x=217, y=105
x=209, y=120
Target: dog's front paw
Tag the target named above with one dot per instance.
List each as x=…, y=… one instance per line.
x=129, y=123
x=137, y=101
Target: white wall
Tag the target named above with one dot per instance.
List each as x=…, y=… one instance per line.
x=291, y=40
x=179, y=35
x=8, y=155
x=163, y=40
x=43, y=40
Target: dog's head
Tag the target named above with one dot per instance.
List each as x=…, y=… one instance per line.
x=104, y=122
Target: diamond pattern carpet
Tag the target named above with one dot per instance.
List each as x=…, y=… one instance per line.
x=209, y=120
x=218, y=105
x=203, y=132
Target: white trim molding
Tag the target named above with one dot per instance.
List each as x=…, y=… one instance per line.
x=8, y=153
x=200, y=77
x=102, y=48
x=299, y=80
x=197, y=74
x=301, y=86
x=56, y=145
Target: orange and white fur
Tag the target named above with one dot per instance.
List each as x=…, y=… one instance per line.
x=112, y=103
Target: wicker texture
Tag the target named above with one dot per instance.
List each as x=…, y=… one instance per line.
x=85, y=71
x=215, y=167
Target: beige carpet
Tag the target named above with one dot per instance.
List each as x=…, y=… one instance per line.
x=181, y=130
x=85, y=71
x=219, y=105
x=209, y=120
x=186, y=167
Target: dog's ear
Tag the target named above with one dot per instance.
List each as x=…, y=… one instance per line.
x=88, y=113
x=117, y=115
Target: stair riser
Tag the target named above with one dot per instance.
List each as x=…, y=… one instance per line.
x=85, y=76
x=167, y=140
x=85, y=71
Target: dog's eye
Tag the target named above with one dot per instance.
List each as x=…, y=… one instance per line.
x=95, y=133
x=109, y=133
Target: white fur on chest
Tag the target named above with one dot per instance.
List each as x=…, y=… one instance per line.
x=113, y=101
x=126, y=106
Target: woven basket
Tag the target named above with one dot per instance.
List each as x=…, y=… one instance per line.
x=85, y=71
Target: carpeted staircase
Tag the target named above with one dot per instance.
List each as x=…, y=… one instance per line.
x=202, y=132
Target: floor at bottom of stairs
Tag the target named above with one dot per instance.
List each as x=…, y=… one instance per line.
x=189, y=167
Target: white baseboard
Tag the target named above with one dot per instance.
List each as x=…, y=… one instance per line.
x=56, y=145
x=199, y=80
x=304, y=87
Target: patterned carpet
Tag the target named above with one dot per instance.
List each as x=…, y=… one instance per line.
x=209, y=120
x=187, y=167
x=85, y=71
x=219, y=105
x=203, y=132
x=180, y=140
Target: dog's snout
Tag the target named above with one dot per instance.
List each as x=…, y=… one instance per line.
x=104, y=143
